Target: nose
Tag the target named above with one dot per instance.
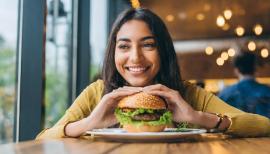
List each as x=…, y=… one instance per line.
x=136, y=55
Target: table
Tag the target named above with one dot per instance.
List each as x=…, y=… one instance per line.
x=206, y=145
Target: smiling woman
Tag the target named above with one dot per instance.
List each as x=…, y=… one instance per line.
x=136, y=55
x=140, y=57
x=145, y=42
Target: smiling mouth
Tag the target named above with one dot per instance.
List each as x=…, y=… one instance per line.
x=137, y=69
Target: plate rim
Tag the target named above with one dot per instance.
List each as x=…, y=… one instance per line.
x=99, y=132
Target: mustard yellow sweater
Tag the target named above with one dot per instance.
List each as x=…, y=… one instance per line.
x=243, y=124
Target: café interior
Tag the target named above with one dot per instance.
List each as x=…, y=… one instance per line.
x=50, y=50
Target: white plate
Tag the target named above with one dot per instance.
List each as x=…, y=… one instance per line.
x=169, y=134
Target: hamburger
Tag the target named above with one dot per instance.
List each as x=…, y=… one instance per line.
x=143, y=112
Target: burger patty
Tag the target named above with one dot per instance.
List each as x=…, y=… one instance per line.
x=146, y=117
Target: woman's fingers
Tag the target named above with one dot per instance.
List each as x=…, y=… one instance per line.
x=103, y=113
x=156, y=87
x=147, y=88
x=159, y=90
x=158, y=93
x=120, y=93
x=172, y=96
x=117, y=94
x=171, y=107
x=133, y=88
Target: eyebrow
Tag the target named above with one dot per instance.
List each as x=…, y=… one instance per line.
x=147, y=38
x=142, y=39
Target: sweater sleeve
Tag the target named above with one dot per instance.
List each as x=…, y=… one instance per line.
x=81, y=108
x=243, y=124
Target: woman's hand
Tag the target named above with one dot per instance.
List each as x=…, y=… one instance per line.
x=182, y=111
x=103, y=114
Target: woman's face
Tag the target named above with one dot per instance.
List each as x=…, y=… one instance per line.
x=136, y=55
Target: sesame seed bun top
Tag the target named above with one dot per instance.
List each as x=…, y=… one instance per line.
x=142, y=100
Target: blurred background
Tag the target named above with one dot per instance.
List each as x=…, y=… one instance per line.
x=50, y=50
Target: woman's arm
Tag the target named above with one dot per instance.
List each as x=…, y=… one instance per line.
x=78, y=119
x=103, y=114
x=203, y=105
x=80, y=109
x=242, y=123
x=183, y=112
x=209, y=121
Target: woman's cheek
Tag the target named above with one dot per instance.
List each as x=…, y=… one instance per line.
x=120, y=59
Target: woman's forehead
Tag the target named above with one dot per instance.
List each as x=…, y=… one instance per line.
x=135, y=30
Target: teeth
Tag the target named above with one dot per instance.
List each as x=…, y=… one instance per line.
x=137, y=69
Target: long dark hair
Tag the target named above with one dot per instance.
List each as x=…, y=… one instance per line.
x=168, y=75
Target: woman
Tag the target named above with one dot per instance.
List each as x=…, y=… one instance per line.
x=140, y=57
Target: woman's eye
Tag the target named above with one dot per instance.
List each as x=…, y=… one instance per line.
x=149, y=45
x=123, y=46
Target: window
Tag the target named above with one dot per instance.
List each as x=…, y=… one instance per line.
x=58, y=48
x=8, y=39
x=40, y=73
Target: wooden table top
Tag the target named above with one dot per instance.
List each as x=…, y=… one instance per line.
x=208, y=145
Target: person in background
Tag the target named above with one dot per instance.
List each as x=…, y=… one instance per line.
x=140, y=57
x=247, y=95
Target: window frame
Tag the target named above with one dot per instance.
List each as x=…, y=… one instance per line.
x=30, y=70
x=30, y=63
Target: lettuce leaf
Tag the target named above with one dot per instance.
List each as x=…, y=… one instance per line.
x=182, y=126
x=126, y=117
